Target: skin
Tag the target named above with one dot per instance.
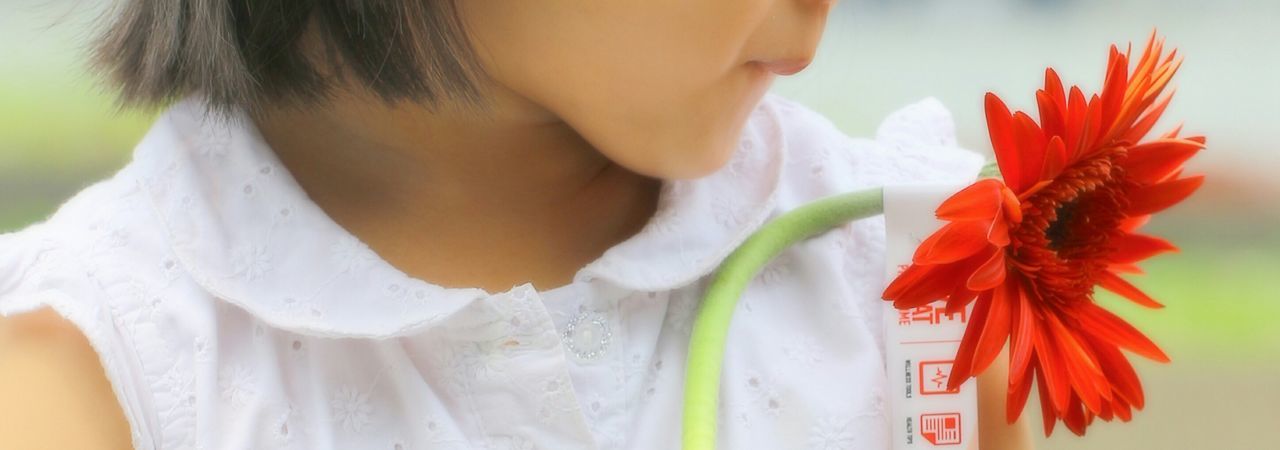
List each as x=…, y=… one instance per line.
x=595, y=102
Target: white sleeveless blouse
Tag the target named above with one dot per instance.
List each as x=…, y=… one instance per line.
x=231, y=313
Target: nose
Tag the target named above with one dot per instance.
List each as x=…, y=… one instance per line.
x=787, y=38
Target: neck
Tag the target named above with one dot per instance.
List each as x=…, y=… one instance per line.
x=459, y=199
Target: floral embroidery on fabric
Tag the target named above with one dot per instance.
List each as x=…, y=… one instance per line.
x=236, y=383
x=832, y=433
x=727, y=213
x=349, y=254
x=251, y=261
x=803, y=350
x=351, y=408
x=451, y=363
x=486, y=360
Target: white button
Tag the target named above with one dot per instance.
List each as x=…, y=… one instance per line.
x=587, y=335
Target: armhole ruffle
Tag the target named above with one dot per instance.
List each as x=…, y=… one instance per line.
x=923, y=136
x=119, y=360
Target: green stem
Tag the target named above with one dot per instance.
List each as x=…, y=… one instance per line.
x=710, y=327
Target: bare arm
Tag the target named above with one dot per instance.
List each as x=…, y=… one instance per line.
x=54, y=393
x=994, y=433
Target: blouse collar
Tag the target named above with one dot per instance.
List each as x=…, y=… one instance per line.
x=247, y=232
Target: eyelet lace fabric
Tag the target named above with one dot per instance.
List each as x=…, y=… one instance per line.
x=230, y=312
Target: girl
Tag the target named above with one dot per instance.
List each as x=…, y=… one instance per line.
x=411, y=224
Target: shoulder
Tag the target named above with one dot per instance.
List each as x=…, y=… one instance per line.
x=105, y=229
x=913, y=144
x=64, y=304
x=52, y=380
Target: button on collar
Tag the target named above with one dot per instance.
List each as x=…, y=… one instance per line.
x=587, y=336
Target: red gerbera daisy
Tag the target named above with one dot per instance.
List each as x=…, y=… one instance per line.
x=1030, y=249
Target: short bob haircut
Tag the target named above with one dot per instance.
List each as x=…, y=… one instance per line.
x=248, y=53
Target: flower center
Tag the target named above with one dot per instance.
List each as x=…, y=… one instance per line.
x=1059, y=231
x=1064, y=239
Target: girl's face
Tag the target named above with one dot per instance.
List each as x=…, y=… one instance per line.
x=660, y=87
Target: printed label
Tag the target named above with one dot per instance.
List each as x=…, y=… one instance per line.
x=921, y=342
x=933, y=378
x=941, y=429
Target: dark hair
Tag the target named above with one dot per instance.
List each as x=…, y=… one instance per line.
x=249, y=52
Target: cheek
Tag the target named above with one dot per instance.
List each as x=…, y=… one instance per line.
x=682, y=132
x=657, y=86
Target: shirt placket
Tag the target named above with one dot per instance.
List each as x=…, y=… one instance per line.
x=521, y=387
x=593, y=341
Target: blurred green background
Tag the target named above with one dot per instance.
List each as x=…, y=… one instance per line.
x=59, y=132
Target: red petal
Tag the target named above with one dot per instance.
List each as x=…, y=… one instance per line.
x=1075, y=418
x=1046, y=407
x=1125, y=268
x=1090, y=384
x=1053, y=87
x=1121, y=374
x=1131, y=248
x=1055, y=158
x=1132, y=223
x=1106, y=413
x=1093, y=127
x=1172, y=133
x=1053, y=368
x=998, y=233
x=1143, y=126
x=917, y=286
x=990, y=274
x=959, y=298
x=978, y=201
x=1114, y=283
x=1121, y=409
x=1000, y=126
x=1051, y=114
x=1115, y=86
x=1110, y=328
x=923, y=284
x=1012, y=206
x=1016, y=399
x=995, y=327
x=1032, y=143
x=1022, y=339
x=1160, y=196
x=1077, y=113
x=964, y=355
x=1150, y=162
x=955, y=241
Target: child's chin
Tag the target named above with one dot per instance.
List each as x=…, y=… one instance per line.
x=704, y=160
